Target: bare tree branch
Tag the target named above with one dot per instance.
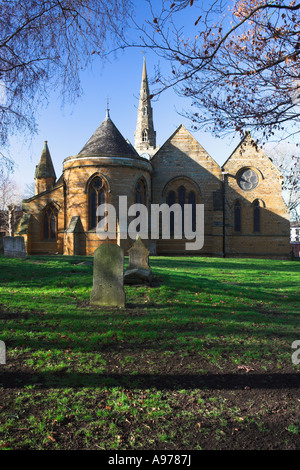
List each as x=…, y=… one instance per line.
x=46, y=44
x=239, y=62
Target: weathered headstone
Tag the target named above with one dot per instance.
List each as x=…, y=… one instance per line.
x=108, y=283
x=2, y=353
x=14, y=247
x=2, y=235
x=138, y=271
x=151, y=245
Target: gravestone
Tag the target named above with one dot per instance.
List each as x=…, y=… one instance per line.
x=108, y=283
x=138, y=271
x=2, y=235
x=14, y=247
x=151, y=245
x=2, y=353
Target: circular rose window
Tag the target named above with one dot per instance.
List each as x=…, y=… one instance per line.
x=248, y=179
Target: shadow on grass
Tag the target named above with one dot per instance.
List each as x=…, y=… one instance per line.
x=234, y=264
x=258, y=287
x=148, y=328
x=145, y=381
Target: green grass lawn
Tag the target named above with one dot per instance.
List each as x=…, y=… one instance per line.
x=202, y=360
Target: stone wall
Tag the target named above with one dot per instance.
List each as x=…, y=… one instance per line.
x=182, y=160
x=273, y=237
x=121, y=176
x=35, y=207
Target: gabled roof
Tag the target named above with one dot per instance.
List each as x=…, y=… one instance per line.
x=45, y=168
x=246, y=142
x=246, y=136
x=183, y=129
x=75, y=225
x=107, y=140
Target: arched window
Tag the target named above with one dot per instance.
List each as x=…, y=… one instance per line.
x=145, y=110
x=140, y=197
x=237, y=217
x=183, y=195
x=145, y=135
x=256, y=216
x=97, y=196
x=50, y=224
x=181, y=202
x=171, y=199
x=140, y=192
x=192, y=202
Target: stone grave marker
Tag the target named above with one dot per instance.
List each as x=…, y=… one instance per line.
x=2, y=353
x=138, y=271
x=14, y=247
x=108, y=283
x=2, y=235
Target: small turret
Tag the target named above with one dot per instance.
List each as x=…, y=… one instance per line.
x=45, y=176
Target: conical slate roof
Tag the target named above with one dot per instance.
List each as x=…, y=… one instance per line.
x=45, y=168
x=107, y=140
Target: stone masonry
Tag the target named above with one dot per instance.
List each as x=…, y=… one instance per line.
x=242, y=218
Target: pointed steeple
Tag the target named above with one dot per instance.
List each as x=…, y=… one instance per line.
x=144, y=84
x=145, y=135
x=44, y=173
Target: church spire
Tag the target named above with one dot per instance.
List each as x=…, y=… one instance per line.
x=44, y=174
x=145, y=135
x=144, y=77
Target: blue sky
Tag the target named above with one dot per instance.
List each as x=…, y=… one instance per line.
x=68, y=128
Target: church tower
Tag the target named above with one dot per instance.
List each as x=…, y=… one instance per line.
x=145, y=135
x=44, y=174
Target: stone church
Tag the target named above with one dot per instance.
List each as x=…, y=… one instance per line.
x=244, y=212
